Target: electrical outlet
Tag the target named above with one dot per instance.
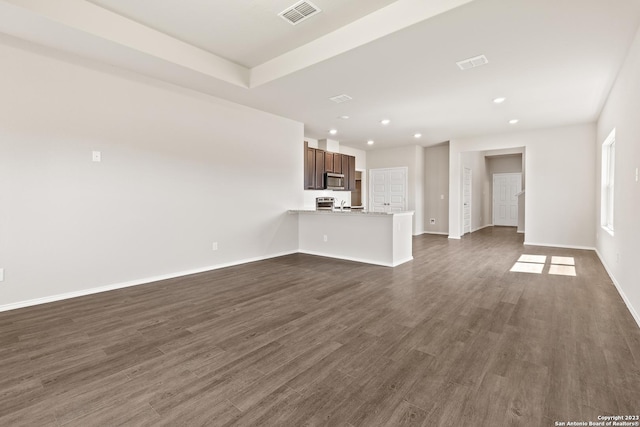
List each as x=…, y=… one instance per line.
x=432, y=221
x=442, y=197
x=96, y=156
x=214, y=246
x=1, y=274
x=325, y=238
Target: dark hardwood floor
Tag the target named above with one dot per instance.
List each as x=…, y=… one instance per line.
x=452, y=338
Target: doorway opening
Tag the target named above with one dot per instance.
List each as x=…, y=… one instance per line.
x=477, y=197
x=467, y=181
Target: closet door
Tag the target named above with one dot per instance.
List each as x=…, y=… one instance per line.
x=388, y=190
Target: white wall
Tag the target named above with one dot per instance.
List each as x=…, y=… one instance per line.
x=621, y=252
x=179, y=171
x=436, y=189
x=560, y=170
x=412, y=157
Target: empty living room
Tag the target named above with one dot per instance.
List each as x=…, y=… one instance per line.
x=300, y=213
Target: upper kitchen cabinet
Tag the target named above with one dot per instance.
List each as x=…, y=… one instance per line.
x=337, y=163
x=349, y=172
x=329, y=162
x=350, y=181
x=320, y=158
x=309, y=167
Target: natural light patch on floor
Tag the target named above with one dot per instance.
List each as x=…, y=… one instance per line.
x=560, y=265
x=527, y=267
x=562, y=270
x=540, y=259
x=563, y=260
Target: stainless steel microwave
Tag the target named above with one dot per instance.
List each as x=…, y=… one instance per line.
x=333, y=181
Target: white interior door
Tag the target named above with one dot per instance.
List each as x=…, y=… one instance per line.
x=379, y=190
x=397, y=190
x=388, y=190
x=466, y=200
x=505, y=201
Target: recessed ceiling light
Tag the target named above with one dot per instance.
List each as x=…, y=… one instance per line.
x=333, y=131
x=417, y=135
x=344, y=117
x=499, y=100
x=370, y=142
x=513, y=121
x=385, y=121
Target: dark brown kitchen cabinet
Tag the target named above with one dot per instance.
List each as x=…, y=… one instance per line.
x=309, y=167
x=349, y=172
x=328, y=162
x=337, y=163
x=350, y=182
x=319, y=173
x=345, y=171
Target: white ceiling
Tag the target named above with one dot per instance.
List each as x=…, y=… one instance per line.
x=247, y=32
x=554, y=60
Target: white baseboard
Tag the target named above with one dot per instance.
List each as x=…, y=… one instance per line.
x=356, y=259
x=553, y=245
x=112, y=287
x=439, y=233
x=626, y=300
x=455, y=237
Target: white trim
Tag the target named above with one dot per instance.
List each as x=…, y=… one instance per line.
x=553, y=245
x=440, y=233
x=626, y=300
x=112, y=287
x=356, y=259
x=455, y=237
x=520, y=231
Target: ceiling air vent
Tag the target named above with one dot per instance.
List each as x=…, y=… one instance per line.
x=299, y=12
x=341, y=98
x=476, y=61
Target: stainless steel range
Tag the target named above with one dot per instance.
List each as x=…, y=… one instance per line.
x=325, y=203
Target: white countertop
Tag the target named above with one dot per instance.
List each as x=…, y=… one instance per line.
x=347, y=212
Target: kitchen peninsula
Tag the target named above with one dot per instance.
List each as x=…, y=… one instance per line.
x=379, y=238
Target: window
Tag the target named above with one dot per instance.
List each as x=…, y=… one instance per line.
x=608, y=173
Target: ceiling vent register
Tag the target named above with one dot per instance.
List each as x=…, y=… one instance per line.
x=474, y=62
x=299, y=12
x=339, y=99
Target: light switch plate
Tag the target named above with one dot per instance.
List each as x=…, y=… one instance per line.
x=96, y=156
